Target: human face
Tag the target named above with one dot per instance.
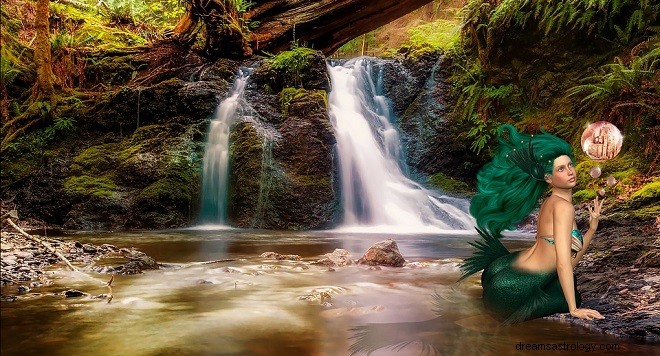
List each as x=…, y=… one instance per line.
x=563, y=173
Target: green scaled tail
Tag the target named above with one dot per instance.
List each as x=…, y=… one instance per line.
x=488, y=250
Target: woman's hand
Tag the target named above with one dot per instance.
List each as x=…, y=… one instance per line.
x=594, y=213
x=588, y=314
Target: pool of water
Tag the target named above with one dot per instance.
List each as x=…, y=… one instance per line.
x=215, y=295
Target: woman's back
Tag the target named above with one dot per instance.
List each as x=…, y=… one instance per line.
x=542, y=257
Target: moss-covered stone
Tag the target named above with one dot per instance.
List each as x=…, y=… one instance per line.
x=112, y=70
x=246, y=155
x=649, y=192
x=448, y=184
x=167, y=190
x=95, y=160
x=584, y=195
x=86, y=186
x=298, y=68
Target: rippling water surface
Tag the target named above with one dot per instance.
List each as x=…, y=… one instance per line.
x=216, y=296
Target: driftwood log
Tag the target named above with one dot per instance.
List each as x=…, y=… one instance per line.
x=271, y=26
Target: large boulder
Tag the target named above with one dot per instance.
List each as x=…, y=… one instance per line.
x=384, y=253
x=283, y=171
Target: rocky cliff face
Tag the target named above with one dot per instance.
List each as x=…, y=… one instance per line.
x=419, y=89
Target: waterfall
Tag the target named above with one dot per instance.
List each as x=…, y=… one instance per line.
x=215, y=176
x=375, y=188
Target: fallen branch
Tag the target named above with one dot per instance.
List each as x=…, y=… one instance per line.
x=52, y=250
x=44, y=243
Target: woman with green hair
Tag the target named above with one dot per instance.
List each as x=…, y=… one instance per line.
x=538, y=281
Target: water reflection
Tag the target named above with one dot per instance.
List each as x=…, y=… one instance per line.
x=247, y=305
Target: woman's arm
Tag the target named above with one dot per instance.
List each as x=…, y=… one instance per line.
x=594, y=216
x=563, y=215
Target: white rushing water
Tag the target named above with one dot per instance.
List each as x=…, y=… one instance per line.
x=376, y=193
x=215, y=175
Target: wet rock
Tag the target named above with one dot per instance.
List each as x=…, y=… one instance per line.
x=384, y=253
x=72, y=293
x=277, y=256
x=9, y=261
x=649, y=259
x=23, y=254
x=8, y=298
x=89, y=248
x=23, y=289
x=338, y=258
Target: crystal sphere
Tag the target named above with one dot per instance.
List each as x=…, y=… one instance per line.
x=601, y=141
x=595, y=172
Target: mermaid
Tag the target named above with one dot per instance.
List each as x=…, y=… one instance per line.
x=537, y=281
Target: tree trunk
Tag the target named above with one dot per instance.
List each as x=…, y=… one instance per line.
x=42, y=59
x=324, y=25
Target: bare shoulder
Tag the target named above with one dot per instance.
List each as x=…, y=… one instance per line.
x=562, y=207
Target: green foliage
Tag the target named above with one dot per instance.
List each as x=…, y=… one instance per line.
x=618, y=20
x=124, y=11
x=626, y=93
x=291, y=66
x=361, y=45
x=481, y=103
x=12, y=52
x=439, y=35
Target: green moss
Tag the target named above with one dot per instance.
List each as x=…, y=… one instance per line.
x=623, y=168
x=584, y=195
x=317, y=181
x=646, y=213
x=87, y=186
x=288, y=95
x=443, y=182
x=649, y=191
x=168, y=190
x=290, y=68
x=95, y=160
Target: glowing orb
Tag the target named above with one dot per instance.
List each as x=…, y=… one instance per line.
x=601, y=141
x=595, y=172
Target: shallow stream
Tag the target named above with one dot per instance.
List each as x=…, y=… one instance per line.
x=215, y=295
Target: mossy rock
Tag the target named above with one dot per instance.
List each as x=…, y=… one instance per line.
x=86, y=186
x=95, y=160
x=443, y=182
x=14, y=171
x=111, y=70
x=298, y=68
x=246, y=151
x=647, y=194
x=288, y=95
x=584, y=195
x=623, y=168
x=168, y=191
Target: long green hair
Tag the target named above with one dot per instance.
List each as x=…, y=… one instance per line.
x=507, y=193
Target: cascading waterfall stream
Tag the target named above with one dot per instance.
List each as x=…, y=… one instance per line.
x=375, y=189
x=215, y=175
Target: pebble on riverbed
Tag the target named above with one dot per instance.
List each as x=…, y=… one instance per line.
x=23, y=261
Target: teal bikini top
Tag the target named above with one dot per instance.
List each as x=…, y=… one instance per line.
x=576, y=240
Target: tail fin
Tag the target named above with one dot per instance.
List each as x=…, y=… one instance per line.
x=487, y=250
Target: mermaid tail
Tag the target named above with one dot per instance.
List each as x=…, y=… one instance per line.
x=511, y=295
x=488, y=250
